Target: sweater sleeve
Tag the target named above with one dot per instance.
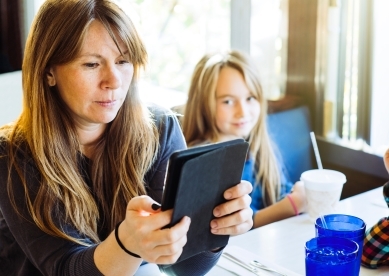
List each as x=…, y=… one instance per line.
x=25, y=248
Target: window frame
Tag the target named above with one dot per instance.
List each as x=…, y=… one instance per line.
x=363, y=114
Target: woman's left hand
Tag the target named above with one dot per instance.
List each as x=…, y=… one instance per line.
x=235, y=216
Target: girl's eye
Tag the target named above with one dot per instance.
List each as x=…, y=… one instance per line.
x=251, y=98
x=229, y=102
x=91, y=64
x=123, y=61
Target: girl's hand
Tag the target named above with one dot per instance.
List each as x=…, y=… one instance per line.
x=235, y=216
x=299, y=197
x=141, y=232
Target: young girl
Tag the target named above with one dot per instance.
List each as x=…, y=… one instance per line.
x=226, y=101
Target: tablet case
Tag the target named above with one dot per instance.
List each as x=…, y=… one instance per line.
x=202, y=182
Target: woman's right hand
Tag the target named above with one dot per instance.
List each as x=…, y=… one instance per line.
x=141, y=232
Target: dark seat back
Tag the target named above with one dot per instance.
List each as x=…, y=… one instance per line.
x=290, y=130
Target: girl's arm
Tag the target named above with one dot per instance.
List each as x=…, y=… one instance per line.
x=291, y=205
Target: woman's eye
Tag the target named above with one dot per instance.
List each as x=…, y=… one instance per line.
x=229, y=102
x=91, y=64
x=251, y=98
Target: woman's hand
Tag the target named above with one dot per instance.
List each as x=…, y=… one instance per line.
x=234, y=217
x=141, y=232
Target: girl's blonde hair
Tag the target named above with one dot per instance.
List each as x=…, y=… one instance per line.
x=46, y=130
x=199, y=121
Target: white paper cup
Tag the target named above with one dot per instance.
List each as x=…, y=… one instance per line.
x=322, y=189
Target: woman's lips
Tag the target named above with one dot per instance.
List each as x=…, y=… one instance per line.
x=106, y=103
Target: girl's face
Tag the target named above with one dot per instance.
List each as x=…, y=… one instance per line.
x=237, y=109
x=95, y=84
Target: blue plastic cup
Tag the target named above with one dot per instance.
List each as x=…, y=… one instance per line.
x=331, y=256
x=343, y=226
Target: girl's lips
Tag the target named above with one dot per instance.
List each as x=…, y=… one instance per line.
x=240, y=124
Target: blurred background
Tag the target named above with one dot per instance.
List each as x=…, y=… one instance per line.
x=330, y=55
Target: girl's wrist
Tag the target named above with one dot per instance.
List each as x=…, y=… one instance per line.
x=293, y=203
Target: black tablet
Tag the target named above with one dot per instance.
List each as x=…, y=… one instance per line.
x=177, y=160
x=195, y=182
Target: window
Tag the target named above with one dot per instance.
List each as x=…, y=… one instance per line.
x=177, y=33
x=356, y=93
x=269, y=34
x=348, y=82
x=379, y=131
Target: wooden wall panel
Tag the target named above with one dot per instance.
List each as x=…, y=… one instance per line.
x=300, y=83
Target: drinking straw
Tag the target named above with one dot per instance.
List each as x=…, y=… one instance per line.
x=316, y=150
x=323, y=221
x=320, y=166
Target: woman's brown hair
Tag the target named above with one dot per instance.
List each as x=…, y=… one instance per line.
x=127, y=148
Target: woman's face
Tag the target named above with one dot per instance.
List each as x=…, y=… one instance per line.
x=237, y=109
x=95, y=84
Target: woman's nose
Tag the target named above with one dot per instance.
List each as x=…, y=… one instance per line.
x=111, y=78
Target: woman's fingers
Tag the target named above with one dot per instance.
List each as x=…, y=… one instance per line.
x=144, y=204
x=175, y=239
x=234, y=216
x=146, y=235
x=243, y=188
x=232, y=206
x=234, y=224
x=165, y=245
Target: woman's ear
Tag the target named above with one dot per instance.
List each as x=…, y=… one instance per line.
x=50, y=77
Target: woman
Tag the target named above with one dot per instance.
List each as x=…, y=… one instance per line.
x=82, y=169
x=225, y=101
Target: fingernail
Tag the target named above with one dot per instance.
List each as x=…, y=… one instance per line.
x=216, y=212
x=214, y=231
x=228, y=195
x=155, y=206
x=213, y=224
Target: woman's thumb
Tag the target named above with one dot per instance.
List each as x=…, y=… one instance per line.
x=144, y=203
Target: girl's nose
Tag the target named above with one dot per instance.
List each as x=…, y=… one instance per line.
x=240, y=109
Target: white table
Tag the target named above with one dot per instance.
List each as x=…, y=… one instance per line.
x=283, y=242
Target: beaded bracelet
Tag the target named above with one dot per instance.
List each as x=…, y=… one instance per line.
x=293, y=204
x=120, y=243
